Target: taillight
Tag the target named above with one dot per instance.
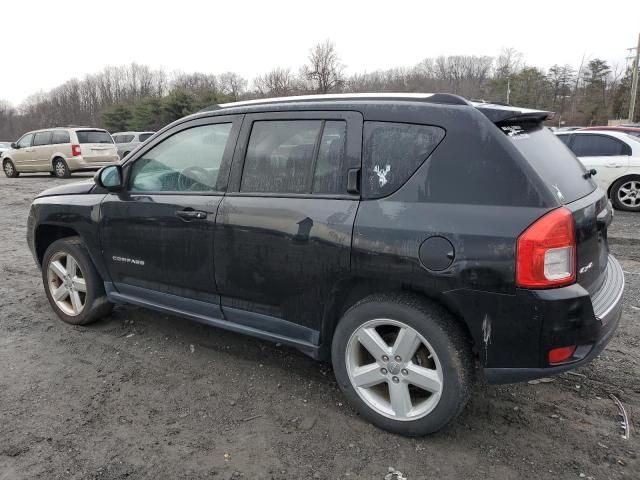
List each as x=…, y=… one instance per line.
x=546, y=252
x=562, y=354
x=75, y=150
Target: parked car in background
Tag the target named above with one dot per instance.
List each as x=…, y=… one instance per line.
x=616, y=158
x=635, y=131
x=406, y=238
x=60, y=151
x=4, y=146
x=128, y=141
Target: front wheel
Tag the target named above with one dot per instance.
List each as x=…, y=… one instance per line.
x=61, y=169
x=10, y=169
x=625, y=194
x=403, y=363
x=72, y=284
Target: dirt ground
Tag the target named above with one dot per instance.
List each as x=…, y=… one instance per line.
x=144, y=395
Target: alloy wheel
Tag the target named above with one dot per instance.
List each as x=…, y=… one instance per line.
x=66, y=283
x=60, y=169
x=394, y=369
x=629, y=193
x=8, y=168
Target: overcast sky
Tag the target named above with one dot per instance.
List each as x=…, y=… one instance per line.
x=45, y=43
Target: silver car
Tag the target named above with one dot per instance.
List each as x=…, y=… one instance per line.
x=126, y=142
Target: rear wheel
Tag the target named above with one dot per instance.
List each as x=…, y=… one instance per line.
x=72, y=284
x=403, y=363
x=10, y=169
x=625, y=194
x=61, y=169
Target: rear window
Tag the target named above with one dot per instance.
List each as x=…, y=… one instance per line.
x=144, y=136
x=393, y=152
x=93, y=136
x=552, y=160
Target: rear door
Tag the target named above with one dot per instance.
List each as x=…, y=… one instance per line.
x=96, y=145
x=42, y=150
x=283, y=232
x=607, y=155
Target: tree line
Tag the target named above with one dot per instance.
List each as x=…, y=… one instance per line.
x=137, y=97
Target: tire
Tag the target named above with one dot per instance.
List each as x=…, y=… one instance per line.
x=10, y=169
x=61, y=169
x=56, y=267
x=625, y=194
x=443, y=349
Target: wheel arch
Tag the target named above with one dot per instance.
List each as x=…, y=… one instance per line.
x=46, y=234
x=349, y=292
x=628, y=176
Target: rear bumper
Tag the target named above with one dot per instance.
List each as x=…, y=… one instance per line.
x=79, y=163
x=591, y=331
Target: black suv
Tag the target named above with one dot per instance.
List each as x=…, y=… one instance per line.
x=408, y=239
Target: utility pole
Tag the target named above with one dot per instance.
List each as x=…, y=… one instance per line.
x=634, y=84
x=508, y=89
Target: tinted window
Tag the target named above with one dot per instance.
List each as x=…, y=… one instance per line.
x=117, y=138
x=93, y=136
x=187, y=161
x=587, y=145
x=330, y=176
x=552, y=160
x=393, y=152
x=564, y=138
x=60, y=136
x=42, y=138
x=126, y=138
x=279, y=156
x=144, y=136
x=25, y=141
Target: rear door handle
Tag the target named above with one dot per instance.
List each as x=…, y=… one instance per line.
x=614, y=165
x=189, y=215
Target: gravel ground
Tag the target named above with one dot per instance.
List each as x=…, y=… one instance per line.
x=144, y=395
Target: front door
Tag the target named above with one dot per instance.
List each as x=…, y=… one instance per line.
x=157, y=234
x=22, y=156
x=283, y=233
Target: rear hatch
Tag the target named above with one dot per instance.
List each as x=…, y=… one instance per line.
x=570, y=182
x=96, y=145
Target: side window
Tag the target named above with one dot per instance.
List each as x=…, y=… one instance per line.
x=329, y=176
x=280, y=156
x=117, y=138
x=126, y=138
x=586, y=145
x=42, y=138
x=25, y=141
x=187, y=161
x=564, y=138
x=393, y=152
x=60, y=136
x=144, y=136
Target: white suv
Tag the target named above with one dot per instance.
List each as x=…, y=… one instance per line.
x=616, y=158
x=60, y=151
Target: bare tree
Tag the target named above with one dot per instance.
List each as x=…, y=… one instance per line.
x=324, y=69
x=232, y=84
x=277, y=82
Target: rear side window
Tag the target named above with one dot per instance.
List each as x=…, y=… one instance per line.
x=552, y=160
x=93, y=136
x=60, y=136
x=393, y=152
x=144, y=136
x=295, y=156
x=42, y=138
x=588, y=145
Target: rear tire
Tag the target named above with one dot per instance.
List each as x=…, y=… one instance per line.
x=413, y=386
x=625, y=194
x=61, y=169
x=72, y=284
x=10, y=169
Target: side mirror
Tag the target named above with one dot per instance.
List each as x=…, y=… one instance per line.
x=110, y=178
x=14, y=145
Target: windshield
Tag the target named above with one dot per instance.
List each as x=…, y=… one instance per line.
x=552, y=160
x=93, y=136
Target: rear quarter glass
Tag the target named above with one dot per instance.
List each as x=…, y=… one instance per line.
x=556, y=165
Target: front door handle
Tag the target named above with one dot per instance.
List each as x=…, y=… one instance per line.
x=189, y=215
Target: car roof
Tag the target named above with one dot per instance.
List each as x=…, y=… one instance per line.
x=75, y=129
x=496, y=112
x=131, y=133
x=618, y=128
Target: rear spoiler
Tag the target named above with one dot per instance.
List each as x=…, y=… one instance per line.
x=509, y=114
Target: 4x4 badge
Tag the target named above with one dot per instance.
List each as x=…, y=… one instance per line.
x=586, y=268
